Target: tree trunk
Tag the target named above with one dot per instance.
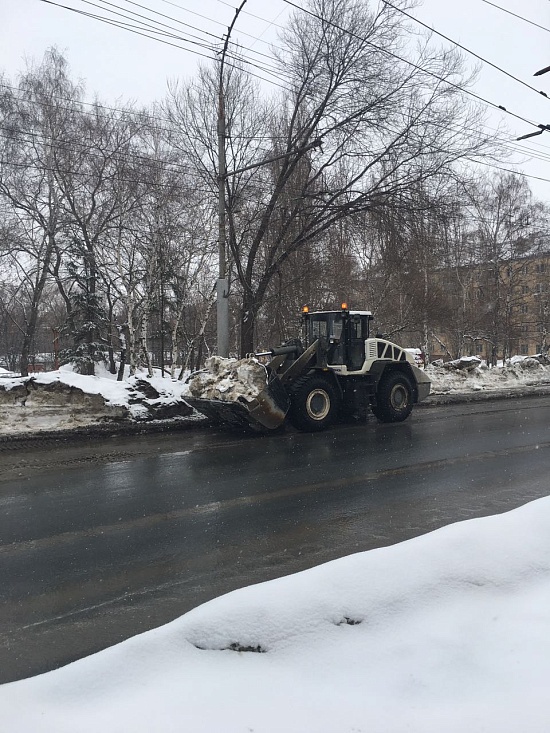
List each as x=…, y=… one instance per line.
x=249, y=313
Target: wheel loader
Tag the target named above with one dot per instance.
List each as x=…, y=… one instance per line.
x=335, y=371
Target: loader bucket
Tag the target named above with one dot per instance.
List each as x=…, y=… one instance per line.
x=268, y=409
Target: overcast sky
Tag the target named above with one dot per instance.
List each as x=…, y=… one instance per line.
x=117, y=64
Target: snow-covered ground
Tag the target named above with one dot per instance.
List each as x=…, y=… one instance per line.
x=446, y=632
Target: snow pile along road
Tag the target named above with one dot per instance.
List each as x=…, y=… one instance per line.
x=64, y=400
x=470, y=374
x=229, y=380
x=449, y=632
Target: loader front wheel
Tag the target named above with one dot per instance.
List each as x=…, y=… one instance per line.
x=394, y=400
x=315, y=404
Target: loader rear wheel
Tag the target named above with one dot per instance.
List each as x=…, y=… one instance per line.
x=315, y=404
x=394, y=399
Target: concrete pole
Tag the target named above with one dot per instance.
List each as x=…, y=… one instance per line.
x=222, y=285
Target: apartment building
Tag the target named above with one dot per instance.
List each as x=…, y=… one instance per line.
x=499, y=309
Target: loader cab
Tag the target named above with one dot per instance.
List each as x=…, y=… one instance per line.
x=344, y=333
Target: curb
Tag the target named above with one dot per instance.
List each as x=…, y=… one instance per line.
x=455, y=398
x=104, y=431
x=198, y=422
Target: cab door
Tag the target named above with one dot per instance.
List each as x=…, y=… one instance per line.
x=357, y=332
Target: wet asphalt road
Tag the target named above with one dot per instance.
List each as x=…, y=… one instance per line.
x=92, y=555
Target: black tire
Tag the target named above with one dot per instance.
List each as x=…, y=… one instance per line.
x=394, y=398
x=315, y=404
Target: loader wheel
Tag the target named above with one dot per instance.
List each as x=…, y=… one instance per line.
x=394, y=398
x=315, y=404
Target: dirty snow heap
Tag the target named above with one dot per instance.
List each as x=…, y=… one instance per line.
x=229, y=380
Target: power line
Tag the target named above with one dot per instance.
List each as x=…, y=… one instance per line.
x=517, y=16
x=140, y=181
x=68, y=144
x=88, y=104
x=464, y=48
x=191, y=171
x=265, y=68
x=148, y=115
x=169, y=17
x=462, y=90
x=168, y=43
x=154, y=26
x=329, y=22
x=508, y=170
x=251, y=15
x=322, y=19
x=210, y=20
x=507, y=142
x=156, y=12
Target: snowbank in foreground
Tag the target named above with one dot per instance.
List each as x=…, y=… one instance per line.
x=446, y=632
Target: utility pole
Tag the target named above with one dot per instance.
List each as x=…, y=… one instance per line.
x=222, y=286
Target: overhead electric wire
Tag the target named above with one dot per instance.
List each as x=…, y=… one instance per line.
x=325, y=20
x=465, y=48
x=112, y=22
x=276, y=71
x=156, y=12
x=504, y=10
x=194, y=174
x=81, y=174
x=462, y=90
x=251, y=15
x=270, y=69
x=190, y=171
x=174, y=167
x=120, y=110
x=168, y=43
x=148, y=115
x=68, y=144
x=206, y=17
x=152, y=25
x=322, y=19
x=508, y=170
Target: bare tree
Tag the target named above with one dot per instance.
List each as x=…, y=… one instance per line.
x=356, y=128
x=36, y=127
x=502, y=208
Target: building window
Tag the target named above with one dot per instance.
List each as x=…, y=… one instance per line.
x=524, y=349
x=479, y=348
x=541, y=267
x=524, y=269
x=525, y=309
x=524, y=289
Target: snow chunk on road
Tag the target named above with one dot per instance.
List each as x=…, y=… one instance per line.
x=229, y=380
